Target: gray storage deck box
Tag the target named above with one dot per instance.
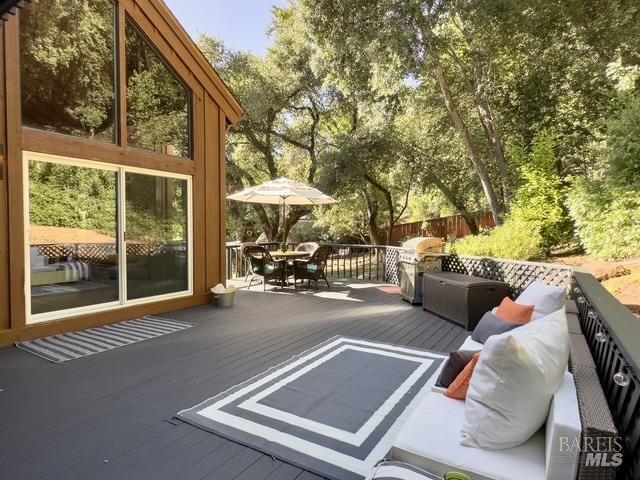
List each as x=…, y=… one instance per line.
x=461, y=299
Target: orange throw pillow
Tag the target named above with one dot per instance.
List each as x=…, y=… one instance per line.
x=510, y=311
x=458, y=388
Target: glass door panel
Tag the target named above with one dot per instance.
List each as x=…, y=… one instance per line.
x=156, y=235
x=73, y=257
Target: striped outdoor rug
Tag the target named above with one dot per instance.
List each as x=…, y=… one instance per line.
x=69, y=346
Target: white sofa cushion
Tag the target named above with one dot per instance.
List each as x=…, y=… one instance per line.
x=563, y=431
x=545, y=298
x=429, y=439
x=471, y=344
x=513, y=383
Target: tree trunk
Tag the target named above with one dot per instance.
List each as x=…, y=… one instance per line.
x=290, y=221
x=469, y=146
x=388, y=199
x=374, y=229
x=469, y=218
x=495, y=138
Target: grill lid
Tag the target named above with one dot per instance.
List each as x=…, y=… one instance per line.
x=422, y=245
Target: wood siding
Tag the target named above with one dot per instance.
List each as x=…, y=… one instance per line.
x=213, y=108
x=4, y=210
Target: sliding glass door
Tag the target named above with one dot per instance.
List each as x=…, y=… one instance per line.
x=103, y=236
x=157, y=225
x=73, y=243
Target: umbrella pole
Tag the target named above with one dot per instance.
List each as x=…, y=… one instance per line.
x=284, y=220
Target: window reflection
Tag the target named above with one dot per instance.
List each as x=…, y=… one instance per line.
x=158, y=103
x=67, y=67
x=156, y=225
x=73, y=251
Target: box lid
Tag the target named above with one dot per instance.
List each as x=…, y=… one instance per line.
x=465, y=281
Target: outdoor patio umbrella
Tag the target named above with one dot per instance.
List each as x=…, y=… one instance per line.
x=282, y=192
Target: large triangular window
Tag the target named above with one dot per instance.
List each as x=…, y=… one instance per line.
x=158, y=103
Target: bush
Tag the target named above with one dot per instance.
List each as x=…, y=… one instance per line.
x=540, y=200
x=607, y=218
x=538, y=219
x=624, y=142
x=515, y=240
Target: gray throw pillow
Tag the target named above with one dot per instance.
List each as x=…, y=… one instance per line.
x=490, y=325
x=456, y=363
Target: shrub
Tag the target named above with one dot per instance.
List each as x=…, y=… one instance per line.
x=538, y=219
x=624, y=142
x=516, y=239
x=607, y=218
x=540, y=199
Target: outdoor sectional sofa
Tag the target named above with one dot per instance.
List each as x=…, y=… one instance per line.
x=578, y=426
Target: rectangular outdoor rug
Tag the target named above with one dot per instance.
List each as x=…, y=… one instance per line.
x=69, y=346
x=333, y=410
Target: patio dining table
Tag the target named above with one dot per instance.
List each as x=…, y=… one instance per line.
x=290, y=255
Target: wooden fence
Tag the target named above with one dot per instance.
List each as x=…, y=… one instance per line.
x=445, y=227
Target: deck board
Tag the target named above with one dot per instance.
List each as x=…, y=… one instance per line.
x=110, y=416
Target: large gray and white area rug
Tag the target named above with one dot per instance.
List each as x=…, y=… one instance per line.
x=333, y=410
x=70, y=346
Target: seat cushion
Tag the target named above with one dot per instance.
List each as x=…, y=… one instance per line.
x=514, y=382
x=471, y=344
x=430, y=440
x=563, y=431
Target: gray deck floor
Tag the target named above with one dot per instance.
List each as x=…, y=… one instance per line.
x=110, y=416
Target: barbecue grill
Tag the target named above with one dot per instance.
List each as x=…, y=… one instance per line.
x=421, y=254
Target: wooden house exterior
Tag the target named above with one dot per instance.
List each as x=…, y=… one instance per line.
x=112, y=174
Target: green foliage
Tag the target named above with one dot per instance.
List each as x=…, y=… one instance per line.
x=66, y=196
x=624, y=142
x=540, y=200
x=607, y=218
x=538, y=219
x=513, y=240
x=344, y=219
x=157, y=102
x=67, y=53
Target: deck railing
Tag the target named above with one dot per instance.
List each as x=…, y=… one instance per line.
x=365, y=262
x=613, y=335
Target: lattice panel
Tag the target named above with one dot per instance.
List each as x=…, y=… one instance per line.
x=517, y=274
x=391, y=260
x=99, y=253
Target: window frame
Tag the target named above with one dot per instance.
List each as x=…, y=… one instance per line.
x=122, y=301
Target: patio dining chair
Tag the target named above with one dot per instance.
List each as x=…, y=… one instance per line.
x=314, y=267
x=262, y=264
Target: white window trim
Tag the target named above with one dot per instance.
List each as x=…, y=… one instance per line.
x=123, y=302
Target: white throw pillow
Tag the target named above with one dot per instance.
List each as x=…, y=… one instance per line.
x=546, y=299
x=513, y=383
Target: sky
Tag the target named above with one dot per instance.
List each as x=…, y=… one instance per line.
x=241, y=24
